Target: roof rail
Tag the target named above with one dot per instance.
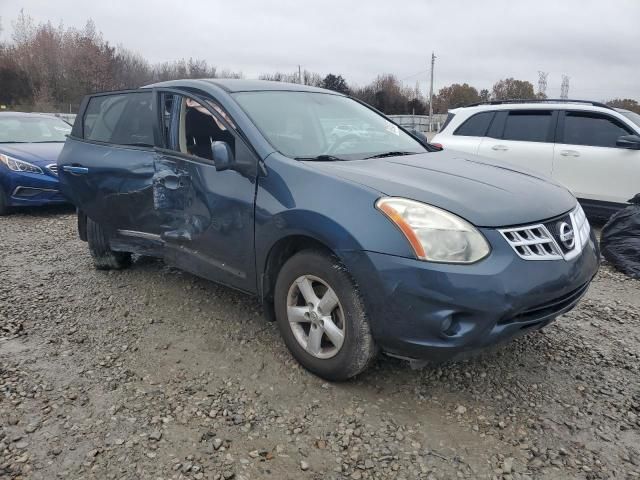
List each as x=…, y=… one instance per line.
x=540, y=100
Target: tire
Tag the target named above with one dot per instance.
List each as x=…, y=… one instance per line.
x=323, y=272
x=103, y=257
x=4, y=208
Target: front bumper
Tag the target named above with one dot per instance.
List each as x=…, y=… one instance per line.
x=31, y=189
x=437, y=312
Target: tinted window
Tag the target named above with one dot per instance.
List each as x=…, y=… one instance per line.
x=527, y=126
x=592, y=129
x=476, y=126
x=123, y=119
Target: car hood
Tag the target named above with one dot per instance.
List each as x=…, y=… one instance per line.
x=40, y=154
x=482, y=191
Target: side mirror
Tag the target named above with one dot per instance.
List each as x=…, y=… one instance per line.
x=418, y=135
x=222, y=155
x=632, y=142
x=423, y=139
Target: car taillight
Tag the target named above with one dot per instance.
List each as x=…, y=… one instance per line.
x=437, y=145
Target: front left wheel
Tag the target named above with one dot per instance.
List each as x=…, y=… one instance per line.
x=321, y=316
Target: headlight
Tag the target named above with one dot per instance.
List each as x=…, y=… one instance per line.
x=435, y=234
x=18, y=165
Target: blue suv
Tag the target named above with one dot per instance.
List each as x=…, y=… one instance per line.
x=357, y=243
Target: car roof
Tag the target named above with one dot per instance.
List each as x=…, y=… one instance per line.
x=234, y=85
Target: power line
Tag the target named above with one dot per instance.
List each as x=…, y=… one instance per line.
x=414, y=75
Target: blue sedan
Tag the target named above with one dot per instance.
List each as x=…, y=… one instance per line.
x=29, y=147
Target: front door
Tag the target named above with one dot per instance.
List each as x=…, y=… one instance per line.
x=588, y=162
x=207, y=215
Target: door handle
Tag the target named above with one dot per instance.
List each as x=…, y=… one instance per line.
x=569, y=153
x=500, y=148
x=75, y=170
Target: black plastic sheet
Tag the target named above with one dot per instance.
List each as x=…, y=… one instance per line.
x=620, y=239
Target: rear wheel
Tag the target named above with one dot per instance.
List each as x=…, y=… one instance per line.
x=321, y=316
x=103, y=257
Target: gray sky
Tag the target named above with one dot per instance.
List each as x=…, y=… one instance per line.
x=596, y=43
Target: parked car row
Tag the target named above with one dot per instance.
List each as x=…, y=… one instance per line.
x=590, y=147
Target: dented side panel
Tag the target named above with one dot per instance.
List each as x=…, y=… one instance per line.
x=207, y=219
x=117, y=188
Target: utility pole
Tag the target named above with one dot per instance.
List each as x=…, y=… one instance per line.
x=299, y=75
x=433, y=62
x=564, y=88
x=542, y=84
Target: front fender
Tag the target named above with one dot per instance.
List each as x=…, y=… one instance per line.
x=294, y=198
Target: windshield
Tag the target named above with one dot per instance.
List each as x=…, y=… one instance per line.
x=633, y=116
x=310, y=125
x=35, y=129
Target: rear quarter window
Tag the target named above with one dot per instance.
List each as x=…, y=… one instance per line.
x=122, y=119
x=476, y=126
x=447, y=121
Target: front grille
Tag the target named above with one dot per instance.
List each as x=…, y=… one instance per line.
x=53, y=168
x=533, y=242
x=563, y=237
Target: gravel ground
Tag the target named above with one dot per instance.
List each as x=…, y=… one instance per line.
x=154, y=373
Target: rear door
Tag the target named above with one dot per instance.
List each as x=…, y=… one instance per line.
x=523, y=138
x=588, y=162
x=208, y=215
x=107, y=165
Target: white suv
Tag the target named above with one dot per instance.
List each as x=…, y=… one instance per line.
x=590, y=147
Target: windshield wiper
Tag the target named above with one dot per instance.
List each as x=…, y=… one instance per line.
x=391, y=154
x=322, y=158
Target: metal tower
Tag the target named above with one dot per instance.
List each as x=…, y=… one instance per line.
x=542, y=83
x=564, y=88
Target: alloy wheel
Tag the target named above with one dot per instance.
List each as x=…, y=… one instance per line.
x=316, y=317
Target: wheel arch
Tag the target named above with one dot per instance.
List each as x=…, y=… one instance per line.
x=278, y=254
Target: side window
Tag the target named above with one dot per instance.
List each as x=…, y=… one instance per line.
x=592, y=129
x=527, y=125
x=447, y=121
x=476, y=126
x=122, y=119
x=197, y=128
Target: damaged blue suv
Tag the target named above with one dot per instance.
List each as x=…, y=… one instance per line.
x=356, y=240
